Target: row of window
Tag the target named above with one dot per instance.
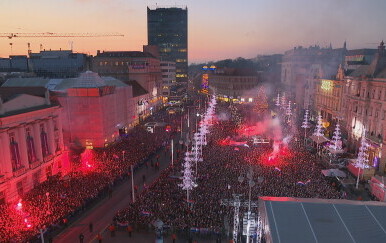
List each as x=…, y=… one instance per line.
x=373, y=94
x=117, y=63
x=30, y=147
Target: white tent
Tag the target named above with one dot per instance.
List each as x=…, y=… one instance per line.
x=319, y=139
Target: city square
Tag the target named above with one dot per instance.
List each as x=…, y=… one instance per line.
x=214, y=129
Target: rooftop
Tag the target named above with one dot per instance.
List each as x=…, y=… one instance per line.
x=324, y=220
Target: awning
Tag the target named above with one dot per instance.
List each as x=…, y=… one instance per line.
x=319, y=139
x=333, y=173
x=333, y=151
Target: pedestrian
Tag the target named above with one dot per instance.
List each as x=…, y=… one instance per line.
x=174, y=238
x=112, y=230
x=99, y=238
x=90, y=226
x=81, y=238
x=143, y=178
x=129, y=230
x=65, y=222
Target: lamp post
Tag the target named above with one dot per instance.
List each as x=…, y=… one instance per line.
x=172, y=150
x=132, y=183
x=251, y=184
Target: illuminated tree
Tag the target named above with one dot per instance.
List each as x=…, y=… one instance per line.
x=283, y=101
x=305, y=124
x=319, y=127
x=261, y=101
x=278, y=100
x=336, y=139
x=363, y=157
x=288, y=111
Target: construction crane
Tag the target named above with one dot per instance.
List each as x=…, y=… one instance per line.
x=50, y=34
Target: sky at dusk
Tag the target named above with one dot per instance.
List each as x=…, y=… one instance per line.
x=218, y=29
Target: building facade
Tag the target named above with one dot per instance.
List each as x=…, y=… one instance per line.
x=31, y=140
x=132, y=68
x=94, y=109
x=58, y=63
x=301, y=67
x=233, y=84
x=168, y=70
x=167, y=28
x=328, y=100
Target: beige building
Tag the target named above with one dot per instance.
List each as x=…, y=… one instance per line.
x=328, y=100
x=301, y=67
x=31, y=141
x=364, y=100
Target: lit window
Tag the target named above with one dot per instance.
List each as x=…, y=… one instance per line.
x=181, y=75
x=182, y=50
x=250, y=99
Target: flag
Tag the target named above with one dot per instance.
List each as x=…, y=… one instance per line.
x=194, y=229
x=145, y=213
x=301, y=183
x=246, y=145
x=308, y=181
x=278, y=169
x=116, y=156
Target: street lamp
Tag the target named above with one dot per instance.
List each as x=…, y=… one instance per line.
x=251, y=184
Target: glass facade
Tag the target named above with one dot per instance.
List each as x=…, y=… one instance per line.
x=168, y=29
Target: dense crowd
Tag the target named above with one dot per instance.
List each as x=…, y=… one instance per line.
x=52, y=203
x=293, y=173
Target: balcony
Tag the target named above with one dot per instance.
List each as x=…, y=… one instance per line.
x=48, y=158
x=20, y=171
x=35, y=164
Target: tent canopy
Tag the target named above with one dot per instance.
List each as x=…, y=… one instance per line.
x=333, y=173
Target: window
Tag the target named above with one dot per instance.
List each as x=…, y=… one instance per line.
x=31, y=153
x=44, y=140
x=15, y=154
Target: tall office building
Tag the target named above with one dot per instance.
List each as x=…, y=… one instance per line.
x=167, y=28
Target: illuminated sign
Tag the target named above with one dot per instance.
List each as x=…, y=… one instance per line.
x=327, y=85
x=205, y=68
x=205, y=83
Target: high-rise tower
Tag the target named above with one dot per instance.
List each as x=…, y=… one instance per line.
x=167, y=28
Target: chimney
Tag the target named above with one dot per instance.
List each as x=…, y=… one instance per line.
x=2, y=111
x=381, y=49
x=47, y=97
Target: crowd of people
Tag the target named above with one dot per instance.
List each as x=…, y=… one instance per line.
x=52, y=203
x=294, y=172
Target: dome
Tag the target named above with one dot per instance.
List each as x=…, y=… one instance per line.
x=89, y=79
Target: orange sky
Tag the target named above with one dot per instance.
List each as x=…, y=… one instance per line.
x=217, y=29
